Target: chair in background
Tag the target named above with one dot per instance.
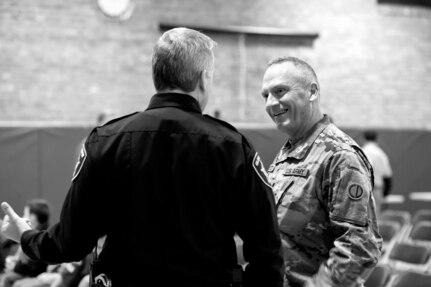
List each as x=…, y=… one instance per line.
x=421, y=233
x=389, y=230
x=411, y=279
x=422, y=215
x=400, y=216
x=409, y=257
x=379, y=277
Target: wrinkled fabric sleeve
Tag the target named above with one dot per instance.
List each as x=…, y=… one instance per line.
x=80, y=224
x=357, y=242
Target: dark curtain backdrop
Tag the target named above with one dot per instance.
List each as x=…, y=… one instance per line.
x=39, y=161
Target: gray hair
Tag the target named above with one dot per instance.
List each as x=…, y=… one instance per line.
x=302, y=65
x=179, y=58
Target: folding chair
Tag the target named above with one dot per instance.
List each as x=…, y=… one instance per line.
x=409, y=257
x=411, y=279
x=389, y=230
x=400, y=216
x=379, y=277
x=421, y=231
x=422, y=215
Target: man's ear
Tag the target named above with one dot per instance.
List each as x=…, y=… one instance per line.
x=314, y=92
x=202, y=80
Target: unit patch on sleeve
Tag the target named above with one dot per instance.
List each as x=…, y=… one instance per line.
x=80, y=162
x=260, y=169
x=355, y=191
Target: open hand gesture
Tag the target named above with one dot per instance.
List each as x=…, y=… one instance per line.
x=13, y=226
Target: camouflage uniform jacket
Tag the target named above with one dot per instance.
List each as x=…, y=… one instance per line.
x=326, y=211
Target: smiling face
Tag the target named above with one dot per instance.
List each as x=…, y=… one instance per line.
x=291, y=98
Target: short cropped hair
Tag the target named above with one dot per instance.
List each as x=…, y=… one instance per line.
x=304, y=66
x=179, y=58
x=41, y=209
x=370, y=135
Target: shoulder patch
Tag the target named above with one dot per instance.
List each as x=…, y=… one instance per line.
x=260, y=169
x=355, y=191
x=80, y=162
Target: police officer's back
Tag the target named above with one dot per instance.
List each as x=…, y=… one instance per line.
x=170, y=188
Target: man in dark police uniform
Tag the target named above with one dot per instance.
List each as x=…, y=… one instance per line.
x=170, y=187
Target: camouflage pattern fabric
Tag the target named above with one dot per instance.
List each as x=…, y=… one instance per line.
x=322, y=186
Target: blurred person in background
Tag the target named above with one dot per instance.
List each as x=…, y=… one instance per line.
x=59, y=275
x=18, y=266
x=169, y=187
x=322, y=184
x=381, y=166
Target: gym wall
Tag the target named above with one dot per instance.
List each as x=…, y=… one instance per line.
x=65, y=60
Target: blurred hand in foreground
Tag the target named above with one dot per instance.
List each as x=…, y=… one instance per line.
x=13, y=226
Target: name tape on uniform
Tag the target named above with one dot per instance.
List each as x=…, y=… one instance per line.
x=297, y=172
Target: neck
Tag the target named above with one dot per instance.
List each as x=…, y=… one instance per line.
x=313, y=119
x=196, y=93
x=177, y=91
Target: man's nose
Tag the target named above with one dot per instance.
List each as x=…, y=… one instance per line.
x=271, y=100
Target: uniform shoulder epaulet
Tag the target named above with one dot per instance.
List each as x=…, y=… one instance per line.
x=119, y=118
x=231, y=127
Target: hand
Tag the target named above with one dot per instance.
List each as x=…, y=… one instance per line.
x=13, y=226
x=49, y=278
x=307, y=282
x=10, y=262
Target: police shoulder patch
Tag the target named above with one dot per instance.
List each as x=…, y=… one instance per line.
x=355, y=191
x=260, y=169
x=80, y=162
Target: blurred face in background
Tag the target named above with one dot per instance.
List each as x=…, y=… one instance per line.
x=288, y=93
x=31, y=217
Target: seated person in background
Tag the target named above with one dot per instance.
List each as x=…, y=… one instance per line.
x=19, y=265
x=59, y=275
x=7, y=247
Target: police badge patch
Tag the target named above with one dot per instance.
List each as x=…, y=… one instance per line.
x=80, y=163
x=260, y=169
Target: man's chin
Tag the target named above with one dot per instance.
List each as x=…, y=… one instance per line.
x=282, y=127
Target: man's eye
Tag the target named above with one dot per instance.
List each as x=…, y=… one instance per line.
x=265, y=95
x=280, y=91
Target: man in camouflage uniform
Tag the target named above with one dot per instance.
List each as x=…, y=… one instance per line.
x=322, y=184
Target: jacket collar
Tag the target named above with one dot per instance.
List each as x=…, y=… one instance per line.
x=300, y=148
x=176, y=100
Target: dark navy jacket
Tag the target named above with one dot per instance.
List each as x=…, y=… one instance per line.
x=170, y=187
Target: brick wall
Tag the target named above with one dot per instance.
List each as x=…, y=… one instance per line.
x=65, y=61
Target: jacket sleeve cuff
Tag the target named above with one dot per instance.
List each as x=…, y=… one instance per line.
x=27, y=239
